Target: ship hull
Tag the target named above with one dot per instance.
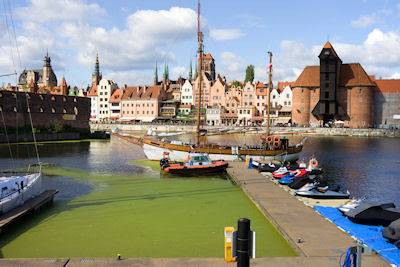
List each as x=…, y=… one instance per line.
x=154, y=150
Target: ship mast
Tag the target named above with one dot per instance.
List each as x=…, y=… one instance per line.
x=269, y=89
x=200, y=51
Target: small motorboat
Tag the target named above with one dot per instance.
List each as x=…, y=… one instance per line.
x=374, y=213
x=300, y=182
x=197, y=163
x=392, y=231
x=350, y=205
x=328, y=192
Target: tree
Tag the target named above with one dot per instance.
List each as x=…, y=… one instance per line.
x=249, y=74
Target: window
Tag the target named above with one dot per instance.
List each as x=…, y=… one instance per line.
x=326, y=94
x=251, y=96
x=360, y=91
x=289, y=103
x=101, y=93
x=105, y=93
x=248, y=112
x=273, y=97
x=326, y=76
x=227, y=104
x=105, y=99
x=287, y=95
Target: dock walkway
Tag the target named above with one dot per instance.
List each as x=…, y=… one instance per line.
x=33, y=204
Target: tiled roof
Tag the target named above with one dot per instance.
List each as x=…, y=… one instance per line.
x=281, y=85
x=229, y=115
x=351, y=74
x=388, y=86
x=328, y=45
x=130, y=93
x=151, y=92
x=93, y=91
x=221, y=80
x=208, y=56
x=116, y=96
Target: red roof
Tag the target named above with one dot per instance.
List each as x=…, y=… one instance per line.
x=114, y=117
x=116, y=96
x=328, y=45
x=281, y=85
x=388, y=86
x=93, y=91
x=208, y=56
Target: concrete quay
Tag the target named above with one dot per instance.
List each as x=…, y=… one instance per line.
x=320, y=239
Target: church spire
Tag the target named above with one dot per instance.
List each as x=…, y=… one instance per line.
x=165, y=69
x=155, y=74
x=96, y=76
x=190, y=70
x=195, y=71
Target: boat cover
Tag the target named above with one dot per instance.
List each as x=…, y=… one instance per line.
x=368, y=235
x=374, y=213
x=392, y=231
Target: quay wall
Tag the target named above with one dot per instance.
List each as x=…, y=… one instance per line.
x=46, y=110
x=311, y=131
x=13, y=138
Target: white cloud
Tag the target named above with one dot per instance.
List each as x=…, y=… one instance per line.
x=395, y=75
x=177, y=72
x=232, y=66
x=131, y=78
x=50, y=10
x=148, y=35
x=226, y=34
x=364, y=21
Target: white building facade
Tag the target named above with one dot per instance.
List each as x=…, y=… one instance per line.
x=104, y=91
x=187, y=93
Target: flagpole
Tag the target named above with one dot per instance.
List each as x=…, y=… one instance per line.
x=269, y=89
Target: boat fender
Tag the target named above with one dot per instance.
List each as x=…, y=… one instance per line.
x=270, y=139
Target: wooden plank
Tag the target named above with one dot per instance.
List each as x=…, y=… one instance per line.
x=32, y=204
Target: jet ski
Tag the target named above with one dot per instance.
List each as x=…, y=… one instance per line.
x=327, y=192
x=349, y=205
x=392, y=231
x=268, y=167
x=305, y=179
x=292, y=176
x=374, y=214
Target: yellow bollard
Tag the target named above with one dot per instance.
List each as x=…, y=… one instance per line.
x=247, y=160
x=228, y=244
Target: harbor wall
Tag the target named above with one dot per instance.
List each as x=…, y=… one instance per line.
x=311, y=131
x=13, y=138
x=46, y=110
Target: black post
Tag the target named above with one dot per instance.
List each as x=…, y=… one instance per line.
x=242, y=250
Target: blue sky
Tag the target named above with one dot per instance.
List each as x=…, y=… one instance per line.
x=130, y=35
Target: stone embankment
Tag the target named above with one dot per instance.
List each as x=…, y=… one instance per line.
x=304, y=131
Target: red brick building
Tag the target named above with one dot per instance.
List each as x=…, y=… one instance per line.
x=333, y=92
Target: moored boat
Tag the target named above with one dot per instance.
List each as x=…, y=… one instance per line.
x=197, y=163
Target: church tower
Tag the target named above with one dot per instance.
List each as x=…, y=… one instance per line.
x=96, y=76
x=208, y=66
x=327, y=107
x=48, y=78
x=155, y=74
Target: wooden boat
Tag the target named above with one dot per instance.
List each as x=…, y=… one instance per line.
x=197, y=163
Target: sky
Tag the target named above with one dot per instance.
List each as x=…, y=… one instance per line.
x=130, y=36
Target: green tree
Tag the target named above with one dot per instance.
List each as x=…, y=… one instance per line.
x=236, y=84
x=249, y=74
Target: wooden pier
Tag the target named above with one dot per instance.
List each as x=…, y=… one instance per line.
x=30, y=205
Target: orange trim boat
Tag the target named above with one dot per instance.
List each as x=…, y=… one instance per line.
x=198, y=163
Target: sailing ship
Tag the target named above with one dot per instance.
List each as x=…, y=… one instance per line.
x=271, y=147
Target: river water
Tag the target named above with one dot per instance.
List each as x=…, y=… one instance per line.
x=108, y=204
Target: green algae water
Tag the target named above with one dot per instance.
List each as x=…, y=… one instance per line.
x=113, y=202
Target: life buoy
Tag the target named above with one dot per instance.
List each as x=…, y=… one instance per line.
x=313, y=163
x=270, y=139
x=277, y=144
